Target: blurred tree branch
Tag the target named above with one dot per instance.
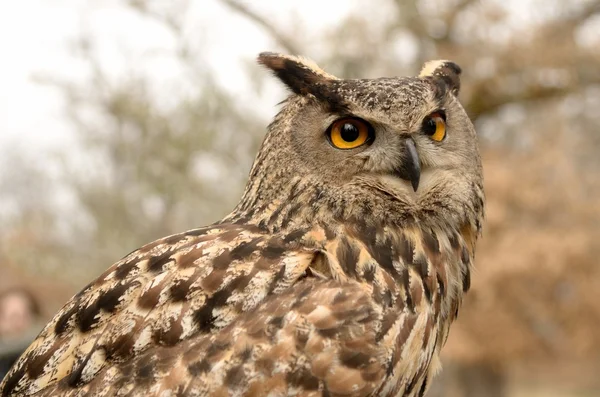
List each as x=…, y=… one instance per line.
x=517, y=64
x=280, y=37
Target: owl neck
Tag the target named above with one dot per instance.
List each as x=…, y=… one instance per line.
x=301, y=202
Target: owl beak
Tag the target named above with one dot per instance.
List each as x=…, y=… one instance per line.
x=410, y=169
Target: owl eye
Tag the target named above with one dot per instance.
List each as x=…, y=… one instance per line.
x=434, y=125
x=349, y=133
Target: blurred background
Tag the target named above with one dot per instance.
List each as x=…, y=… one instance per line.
x=124, y=121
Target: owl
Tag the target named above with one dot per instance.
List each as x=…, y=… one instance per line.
x=339, y=272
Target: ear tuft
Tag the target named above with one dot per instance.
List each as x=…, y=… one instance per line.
x=447, y=71
x=301, y=75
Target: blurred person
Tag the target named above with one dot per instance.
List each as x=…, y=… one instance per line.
x=20, y=317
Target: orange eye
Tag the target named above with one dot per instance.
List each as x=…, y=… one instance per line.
x=349, y=133
x=434, y=125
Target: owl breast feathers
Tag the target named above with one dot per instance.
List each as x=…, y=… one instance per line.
x=338, y=273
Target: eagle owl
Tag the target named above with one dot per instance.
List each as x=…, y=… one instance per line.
x=337, y=274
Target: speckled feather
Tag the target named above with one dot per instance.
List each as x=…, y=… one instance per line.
x=308, y=288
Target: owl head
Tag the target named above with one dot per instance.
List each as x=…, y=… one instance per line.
x=399, y=142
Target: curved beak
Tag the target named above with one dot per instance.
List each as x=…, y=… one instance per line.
x=410, y=168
